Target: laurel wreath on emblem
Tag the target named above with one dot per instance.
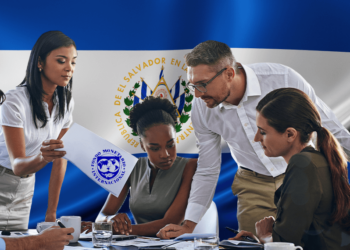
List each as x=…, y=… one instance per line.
x=129, y=100
x=187, y=108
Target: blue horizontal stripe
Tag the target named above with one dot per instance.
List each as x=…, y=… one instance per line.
x=135, y=25
x=83, y=197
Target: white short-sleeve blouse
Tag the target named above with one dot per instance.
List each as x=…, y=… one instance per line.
x=16, y=112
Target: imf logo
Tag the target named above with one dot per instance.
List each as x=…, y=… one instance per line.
x=108, y=166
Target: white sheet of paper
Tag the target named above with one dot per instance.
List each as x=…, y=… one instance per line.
x=183, y=245
x=237, y=242
x=192, y=236
x=140, y=242
x=102, y=161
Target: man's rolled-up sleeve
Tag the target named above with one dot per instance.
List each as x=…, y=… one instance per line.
x=208, y=168
x=328, y=118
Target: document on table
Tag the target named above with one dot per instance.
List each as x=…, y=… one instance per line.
x=102, y=161
x=139, y=242
x=183, y=245
x=192, y=236
x=88, y=237
x=231, y=243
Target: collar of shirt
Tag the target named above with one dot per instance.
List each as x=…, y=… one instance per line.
x=252, y=88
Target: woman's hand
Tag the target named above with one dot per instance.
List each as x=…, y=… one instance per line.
x=48, y=152
x=264, y=228
x=244, y=233
x=121, y=224
x=86, y=225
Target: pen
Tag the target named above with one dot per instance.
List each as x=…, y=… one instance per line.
x=166, y=246
x=61, y=224
x=247, y=238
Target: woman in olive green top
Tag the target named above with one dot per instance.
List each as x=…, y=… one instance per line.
x=314, y=199
x=159, y=183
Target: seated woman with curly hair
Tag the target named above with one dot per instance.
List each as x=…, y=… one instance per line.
x=160, y=183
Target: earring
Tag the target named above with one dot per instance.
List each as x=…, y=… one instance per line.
x=40, y=69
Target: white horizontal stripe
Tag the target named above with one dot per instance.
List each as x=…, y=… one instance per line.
x=99, y=74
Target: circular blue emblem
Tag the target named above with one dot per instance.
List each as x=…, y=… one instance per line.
x=108, y=166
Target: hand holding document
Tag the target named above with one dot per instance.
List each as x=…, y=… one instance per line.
x=102, y=161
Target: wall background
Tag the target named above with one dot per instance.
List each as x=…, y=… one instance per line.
x=114, y=37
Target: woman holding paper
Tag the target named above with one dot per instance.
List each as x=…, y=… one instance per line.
x=314, y=199
x=34, y=118
x=160, y=183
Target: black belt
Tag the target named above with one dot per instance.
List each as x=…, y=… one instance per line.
x=9, y=171
x=247, y=169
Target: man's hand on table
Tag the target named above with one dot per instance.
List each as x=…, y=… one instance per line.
x=55, y=238
x=172, y=230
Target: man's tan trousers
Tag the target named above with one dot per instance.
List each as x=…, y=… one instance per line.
x=255, y=193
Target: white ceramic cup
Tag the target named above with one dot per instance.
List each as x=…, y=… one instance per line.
x=280, y=246
x=74, y=222
x=41, y=226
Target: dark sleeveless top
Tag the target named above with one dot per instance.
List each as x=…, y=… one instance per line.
x=148, y=206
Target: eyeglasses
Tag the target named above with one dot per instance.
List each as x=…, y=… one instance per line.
x=202, y=87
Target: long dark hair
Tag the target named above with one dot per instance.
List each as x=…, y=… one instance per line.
x=152, y=111
x=2, y=97
x=289, y=107
x=46, y=43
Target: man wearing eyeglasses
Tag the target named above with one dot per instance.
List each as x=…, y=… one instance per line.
x=227, y=94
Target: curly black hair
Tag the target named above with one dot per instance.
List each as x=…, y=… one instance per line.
x=152, y=111
x=2, y=97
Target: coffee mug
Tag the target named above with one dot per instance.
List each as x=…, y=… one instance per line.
x=41, y=226
x=74, y=222
x=280, y=246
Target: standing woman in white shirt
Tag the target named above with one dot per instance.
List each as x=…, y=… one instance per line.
x=33, y=119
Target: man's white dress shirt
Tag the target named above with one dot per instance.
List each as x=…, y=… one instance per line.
x=236, y=125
